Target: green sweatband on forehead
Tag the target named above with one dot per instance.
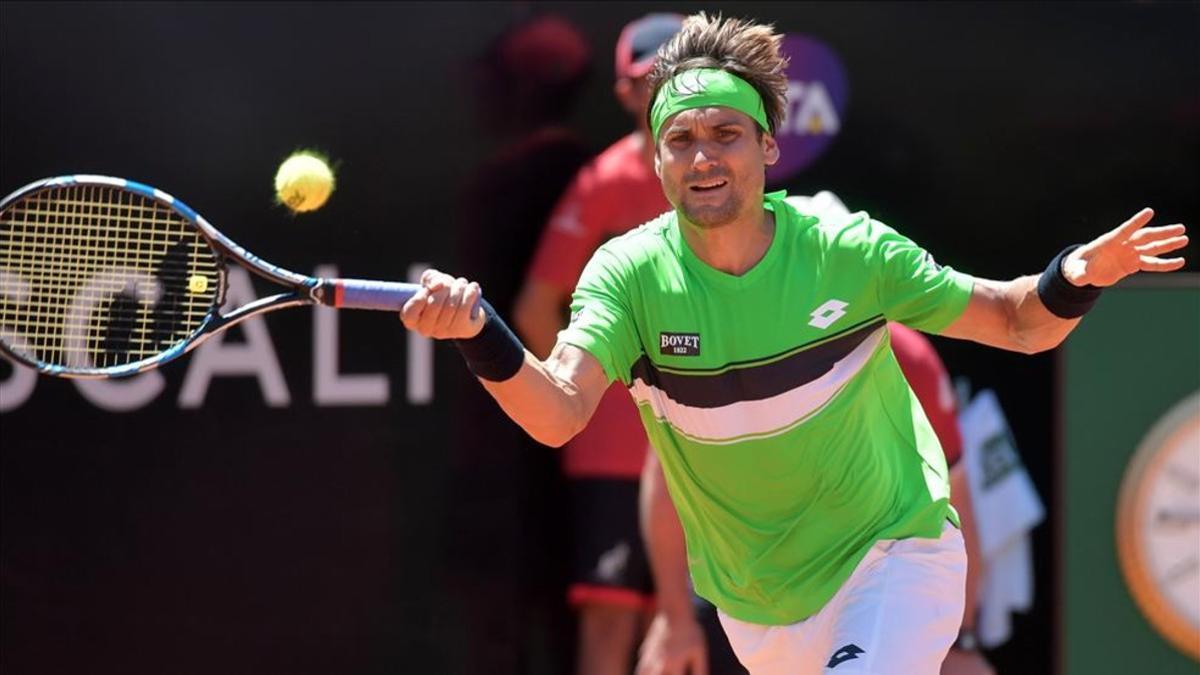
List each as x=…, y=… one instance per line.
x=702, y=88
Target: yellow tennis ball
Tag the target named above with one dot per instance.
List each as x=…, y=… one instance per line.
x=304, y=182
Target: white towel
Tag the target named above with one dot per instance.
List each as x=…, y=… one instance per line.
x=1007, y=508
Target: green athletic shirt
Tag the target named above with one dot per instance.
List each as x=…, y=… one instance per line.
x=788, y=435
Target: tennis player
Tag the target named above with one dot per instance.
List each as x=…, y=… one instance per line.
x=811, y=489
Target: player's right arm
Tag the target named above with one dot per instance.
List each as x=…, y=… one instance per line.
x=551, y=400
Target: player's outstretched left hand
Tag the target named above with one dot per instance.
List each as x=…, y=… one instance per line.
x=1129, y=249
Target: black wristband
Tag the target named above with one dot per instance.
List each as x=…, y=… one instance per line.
x=1061, y=297
x=495, y=354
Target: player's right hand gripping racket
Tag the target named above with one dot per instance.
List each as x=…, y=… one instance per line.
x=104, y=277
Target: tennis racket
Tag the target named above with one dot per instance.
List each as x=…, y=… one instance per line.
x=103, y=277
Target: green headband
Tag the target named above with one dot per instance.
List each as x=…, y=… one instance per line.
x=704, y=87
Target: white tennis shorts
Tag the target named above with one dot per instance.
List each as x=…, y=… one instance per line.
x=897, y=614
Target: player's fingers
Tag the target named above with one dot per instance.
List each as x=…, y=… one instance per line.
x=1152, y=264
x=1120, y=234
x=467, y=321
x=1162, y=245
x=698, y=663
x=1135, y=223
x=451, y=314
x=1148, y=233
x=428, y=275
x=471, y=299
x=438, y=281
x=434, y=306
x=445, y=313
x=411, y=312
x=474, y=306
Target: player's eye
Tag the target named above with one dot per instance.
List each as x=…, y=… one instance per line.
x=679, y=138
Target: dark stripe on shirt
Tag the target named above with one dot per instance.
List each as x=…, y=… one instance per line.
x=706, y=389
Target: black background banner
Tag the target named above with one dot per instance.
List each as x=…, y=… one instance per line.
x=340, y=497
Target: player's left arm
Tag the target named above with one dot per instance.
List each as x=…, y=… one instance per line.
x=1027, y=316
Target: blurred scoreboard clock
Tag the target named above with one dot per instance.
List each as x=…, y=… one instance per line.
x=1158, y=526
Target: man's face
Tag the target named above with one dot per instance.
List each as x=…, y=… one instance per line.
x=712, y=164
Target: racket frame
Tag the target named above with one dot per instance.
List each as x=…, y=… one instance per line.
x=305, y=290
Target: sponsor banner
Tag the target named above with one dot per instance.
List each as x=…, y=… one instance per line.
x=818, y=92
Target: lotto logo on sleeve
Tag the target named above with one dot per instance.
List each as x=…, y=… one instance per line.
x=818, y=93
x=679, y=344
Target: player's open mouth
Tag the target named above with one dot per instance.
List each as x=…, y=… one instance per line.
x=708, y=186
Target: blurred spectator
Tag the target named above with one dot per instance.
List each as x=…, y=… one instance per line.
x=611, y=583
x=508, y=575
x=528, y=83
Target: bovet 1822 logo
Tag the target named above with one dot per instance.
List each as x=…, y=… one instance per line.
x=679, y=344
x=818, y=92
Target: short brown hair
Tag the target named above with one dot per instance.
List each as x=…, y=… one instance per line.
x=739, y=46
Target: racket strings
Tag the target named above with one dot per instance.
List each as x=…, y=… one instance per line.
x=94, y=276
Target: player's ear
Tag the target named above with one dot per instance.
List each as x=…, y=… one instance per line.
x=657, y=163
x=770, y=149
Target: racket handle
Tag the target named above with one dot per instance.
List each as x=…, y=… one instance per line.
x=388, y=296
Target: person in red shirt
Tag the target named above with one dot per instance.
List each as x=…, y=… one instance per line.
x=611, y=584
x=505, y=580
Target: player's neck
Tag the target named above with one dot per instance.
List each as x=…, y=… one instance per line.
x=734, y=248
